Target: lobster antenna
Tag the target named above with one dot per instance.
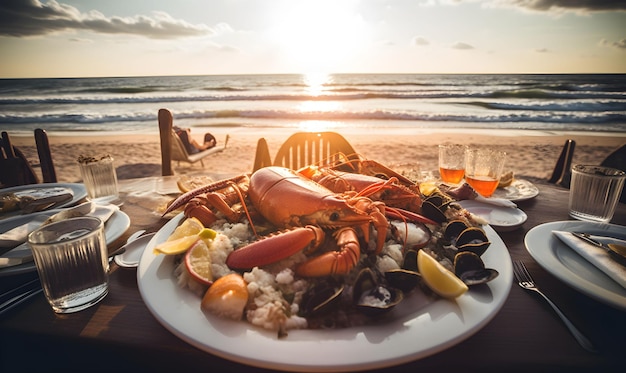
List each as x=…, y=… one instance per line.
x=245, y=208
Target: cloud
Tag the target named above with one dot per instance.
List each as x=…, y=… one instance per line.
x=573, y=5
x=461, y=45
x=576, y=6
x=418, y=40
x=620, y=44
x=20, y=18
x=542, y=50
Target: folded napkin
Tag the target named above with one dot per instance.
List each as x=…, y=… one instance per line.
x=596, y=255
x=17, y=235
x=22, y=253
x=495, y=201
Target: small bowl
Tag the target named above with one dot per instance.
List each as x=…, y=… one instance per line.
x=130, y=257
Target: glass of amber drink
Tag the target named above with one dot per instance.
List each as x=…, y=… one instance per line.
x=483, y=168
x=452, y=163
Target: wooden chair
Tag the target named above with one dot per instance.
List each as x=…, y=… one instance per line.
x=617, y=159
x=172, y=147
x=306, y=148
x=562, y=173
x=48, y=171
x=14, y=167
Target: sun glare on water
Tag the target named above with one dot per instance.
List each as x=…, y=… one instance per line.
x=319, y=35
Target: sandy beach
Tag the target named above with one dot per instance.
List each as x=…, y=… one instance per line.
x=530, y=153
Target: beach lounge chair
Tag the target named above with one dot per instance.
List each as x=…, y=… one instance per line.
x=306, y=148
x=173, y=148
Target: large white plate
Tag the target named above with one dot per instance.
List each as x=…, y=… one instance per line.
x=567, y=265
x=415, y=329
x=502, y=219
x=79, y=192
x=519, y=190
x=114, y=228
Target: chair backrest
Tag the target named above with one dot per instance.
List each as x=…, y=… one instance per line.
x=166, y=123
x=307, y=148
x=14, y=167
x=617, y=159
x=48, y=171
x=262, y=157
x=562, y=170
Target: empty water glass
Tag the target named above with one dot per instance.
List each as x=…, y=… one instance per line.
x=71, y=258
x=594, y=192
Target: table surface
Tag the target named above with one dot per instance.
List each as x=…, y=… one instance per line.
x=120, y=333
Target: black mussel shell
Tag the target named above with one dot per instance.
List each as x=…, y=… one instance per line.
x=473, y=239
x=403, y=279
x=409, y=262
x=453, y=230
x=321, y=298
x=371, y=298
x=471, y=269
x=379, y=300
x=433, y=212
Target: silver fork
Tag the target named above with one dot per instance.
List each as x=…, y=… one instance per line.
x=525, y=280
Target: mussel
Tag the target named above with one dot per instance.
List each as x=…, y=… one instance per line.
x=372, y=298
x=435, y=205
x=471, y=269
x=406, y=277
x=321, y=298
x=473, y=239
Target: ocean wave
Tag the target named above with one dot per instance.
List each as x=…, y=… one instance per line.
x=345, y=95
x=588, y=106
x=598, y=117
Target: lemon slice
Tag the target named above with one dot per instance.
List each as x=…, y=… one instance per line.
x=181, y=245
x=427, y=187
x=198, y=263
x=189, y=227
x=506, y=180
x=438, y=278
x=187, y=183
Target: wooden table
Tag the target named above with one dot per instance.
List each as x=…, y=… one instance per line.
x=120, y=334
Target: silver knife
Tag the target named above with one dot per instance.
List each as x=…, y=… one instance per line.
x=615, y=251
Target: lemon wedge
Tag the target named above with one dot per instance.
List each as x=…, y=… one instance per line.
x=189, y=227
x=427, y=187
x=181, y=245
x=438, y=278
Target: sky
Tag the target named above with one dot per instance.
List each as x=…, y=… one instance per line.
x=92, y=38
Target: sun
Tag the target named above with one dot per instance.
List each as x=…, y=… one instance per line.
x=318, y=36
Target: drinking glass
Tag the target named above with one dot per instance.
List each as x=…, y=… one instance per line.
x=99, y=177
x=594, y=192
x=452, y=163
x=483, y=168
x=71, y=258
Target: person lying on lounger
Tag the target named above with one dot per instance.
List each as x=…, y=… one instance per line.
x=191, y=144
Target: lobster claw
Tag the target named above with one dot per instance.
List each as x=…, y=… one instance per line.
x=275, y=247
x=334, y=262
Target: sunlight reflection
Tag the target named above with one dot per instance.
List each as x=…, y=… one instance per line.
x=316, y=82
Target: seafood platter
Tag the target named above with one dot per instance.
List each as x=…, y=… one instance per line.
x=353, y=255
